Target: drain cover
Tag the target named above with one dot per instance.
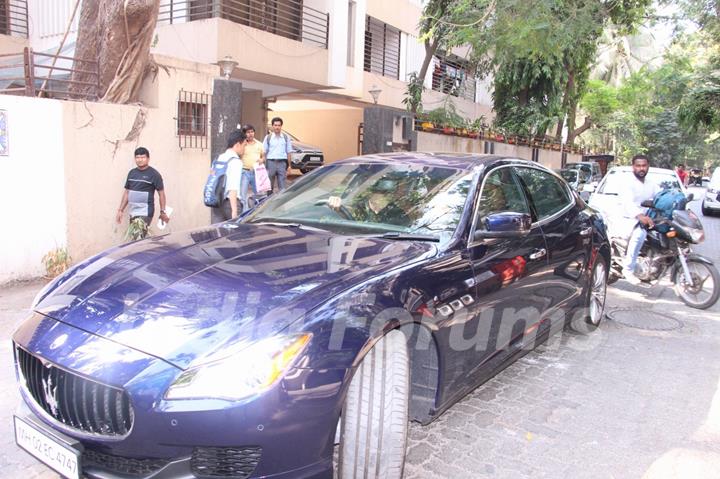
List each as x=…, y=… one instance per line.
x=643, y=319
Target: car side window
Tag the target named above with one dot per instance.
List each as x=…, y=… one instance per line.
x=547, y=193
x=500, y=193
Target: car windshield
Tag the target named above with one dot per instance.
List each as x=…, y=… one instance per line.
x=579, y=166
x=614, y=182
x=373, y=198
x=569, y=175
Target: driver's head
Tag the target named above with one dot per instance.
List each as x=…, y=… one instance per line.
x=640, y=166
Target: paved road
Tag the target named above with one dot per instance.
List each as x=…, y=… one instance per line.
x=639, y=399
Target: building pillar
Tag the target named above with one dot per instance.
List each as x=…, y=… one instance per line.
x=388, y=129
x=225, y=117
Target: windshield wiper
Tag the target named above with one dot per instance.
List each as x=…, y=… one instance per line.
x=408, y=236
x=275, y=223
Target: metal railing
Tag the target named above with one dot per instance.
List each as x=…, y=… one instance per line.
x=453, y=78
x=193, y=119
x=382, y=48
x=287, y=18
x=41, y=75
x=14, y=18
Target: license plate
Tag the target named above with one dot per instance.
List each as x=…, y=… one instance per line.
x=314, y=158
x=50, y=450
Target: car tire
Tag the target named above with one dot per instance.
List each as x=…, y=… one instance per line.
x=706, y=211
x=373, y=434
x=595, y=297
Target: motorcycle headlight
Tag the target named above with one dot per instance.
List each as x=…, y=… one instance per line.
x=243, y=374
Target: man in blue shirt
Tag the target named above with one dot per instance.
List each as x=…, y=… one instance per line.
x=278, y=147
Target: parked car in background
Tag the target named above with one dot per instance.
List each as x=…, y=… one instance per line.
x=305, y=157
x=577, y=179
x=331, y=314
x=606, y=198
x=592, y=172
x=711, y=201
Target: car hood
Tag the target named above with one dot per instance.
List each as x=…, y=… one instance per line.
x=299, y=145
x=180, y=297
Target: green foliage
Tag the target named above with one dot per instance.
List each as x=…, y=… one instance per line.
x=413, y=94
x=56, y=262
x=600, y=101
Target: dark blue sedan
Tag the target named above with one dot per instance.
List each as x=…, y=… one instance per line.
x=301, y=338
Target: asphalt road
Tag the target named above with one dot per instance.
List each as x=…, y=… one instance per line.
x=638, y=399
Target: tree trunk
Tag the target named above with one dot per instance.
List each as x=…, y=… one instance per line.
x=569, y=93
x=116, y=33
x=579, y=131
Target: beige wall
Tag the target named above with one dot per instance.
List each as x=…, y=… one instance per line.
x=98, y=157
x=259, y=52
x=334, y=131
x=253, y=113
x=448, y=143
x=10, y=44
x=401, y=14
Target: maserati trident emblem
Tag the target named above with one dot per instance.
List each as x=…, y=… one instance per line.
x=50, y=391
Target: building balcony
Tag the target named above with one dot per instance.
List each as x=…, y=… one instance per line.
x=282, y=42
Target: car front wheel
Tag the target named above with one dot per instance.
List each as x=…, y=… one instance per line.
x=595, y=299
x=374, y=426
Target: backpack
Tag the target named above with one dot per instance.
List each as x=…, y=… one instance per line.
x=667, y=201
x=214, y=191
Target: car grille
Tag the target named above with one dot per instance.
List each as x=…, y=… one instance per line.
x=235, y=462
x=124, y=465
x=75, y=401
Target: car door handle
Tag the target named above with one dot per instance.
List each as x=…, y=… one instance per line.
x=586, y=231
x=538, y=253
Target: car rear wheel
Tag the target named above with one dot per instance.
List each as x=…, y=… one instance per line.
x=373, y=434
x=595, y=299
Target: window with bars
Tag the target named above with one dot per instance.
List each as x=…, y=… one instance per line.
x=453, y=78
x=382, y=48
x=192, y=119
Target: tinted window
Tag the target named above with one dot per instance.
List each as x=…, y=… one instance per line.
x=500, y=192
x=547, y=194
x=373, y=197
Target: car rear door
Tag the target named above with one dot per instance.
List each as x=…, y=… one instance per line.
x=568, y=235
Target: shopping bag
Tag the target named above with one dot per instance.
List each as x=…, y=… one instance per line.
x=262, y=180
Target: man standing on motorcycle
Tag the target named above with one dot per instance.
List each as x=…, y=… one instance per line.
x=635, y=221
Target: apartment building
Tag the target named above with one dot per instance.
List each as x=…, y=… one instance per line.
x=321, y=65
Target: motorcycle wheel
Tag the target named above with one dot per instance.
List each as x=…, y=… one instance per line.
x=705, y=289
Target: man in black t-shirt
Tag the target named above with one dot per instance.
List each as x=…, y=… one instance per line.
x=140, y=187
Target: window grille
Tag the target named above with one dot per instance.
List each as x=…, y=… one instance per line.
x=453, y=78
x=382, y=48
x=193, y=119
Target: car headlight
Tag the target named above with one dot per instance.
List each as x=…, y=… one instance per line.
x=242, y=374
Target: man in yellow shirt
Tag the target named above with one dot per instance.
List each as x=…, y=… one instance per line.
x=254, y=154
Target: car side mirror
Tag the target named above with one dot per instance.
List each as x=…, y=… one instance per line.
x=647, y=204
x=690, y=197
x=507, y=224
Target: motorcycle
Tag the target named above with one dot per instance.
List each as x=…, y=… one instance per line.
x=667, y=249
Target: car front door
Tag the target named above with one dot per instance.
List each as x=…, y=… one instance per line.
x=568, y=234
x=508, y=274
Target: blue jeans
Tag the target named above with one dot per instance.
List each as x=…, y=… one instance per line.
x=277, y=168
x=635, y=242
x=247, y=178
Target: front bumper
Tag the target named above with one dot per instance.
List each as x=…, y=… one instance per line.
x=307, y=161
x=712, y=200
x=286, y=431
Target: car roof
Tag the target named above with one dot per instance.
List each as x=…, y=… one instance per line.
x=460, y=161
